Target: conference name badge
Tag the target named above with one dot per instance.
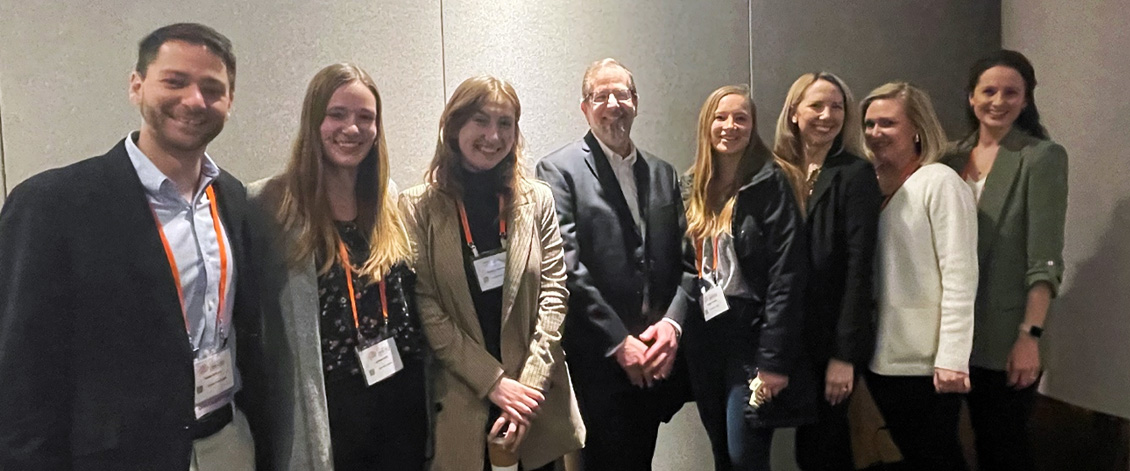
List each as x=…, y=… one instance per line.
x=215, y=378
x=490, y=269
x=713, y=301
x=379, y=361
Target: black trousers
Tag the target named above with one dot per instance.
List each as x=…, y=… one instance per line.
x=621, y=425
x=1000, y=416
x=379, y=427
x=826, y=444
x=922, y=423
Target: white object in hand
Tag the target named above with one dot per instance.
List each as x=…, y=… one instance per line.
x=754, y=386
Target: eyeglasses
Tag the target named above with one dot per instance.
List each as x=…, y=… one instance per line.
x=622, y=95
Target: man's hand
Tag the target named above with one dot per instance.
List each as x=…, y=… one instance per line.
x=660, y=356
x=950, y=381
x=630, y=356
x=1023, y=364
x=839, y=381
x=519, y=403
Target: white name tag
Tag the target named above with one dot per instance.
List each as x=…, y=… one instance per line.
x=490, y=269
x=215, y=378
x=380, y=361
x=713, y=302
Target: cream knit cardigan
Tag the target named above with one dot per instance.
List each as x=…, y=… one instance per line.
x=926, y=275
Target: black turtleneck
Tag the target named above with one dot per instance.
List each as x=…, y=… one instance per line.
x=480, y=199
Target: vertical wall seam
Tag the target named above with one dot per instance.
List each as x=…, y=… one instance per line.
x=749, y=37
x=442, y=52
x=3, y=163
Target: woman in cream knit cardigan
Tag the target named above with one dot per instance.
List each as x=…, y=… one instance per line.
x=926, y=279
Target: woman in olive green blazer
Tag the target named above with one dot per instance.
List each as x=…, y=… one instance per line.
x=1019, y=177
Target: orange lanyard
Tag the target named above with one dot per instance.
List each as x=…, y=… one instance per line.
x=700, y=254
x=223, y=260
x=352, y=295
x=887, y=199
x=467, y=227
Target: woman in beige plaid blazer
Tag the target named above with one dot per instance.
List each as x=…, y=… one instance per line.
x=499, y=347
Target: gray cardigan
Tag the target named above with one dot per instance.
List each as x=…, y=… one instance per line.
x=299, y=419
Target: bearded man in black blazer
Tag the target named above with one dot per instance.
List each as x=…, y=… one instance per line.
x=622, y=223
x=122, y=280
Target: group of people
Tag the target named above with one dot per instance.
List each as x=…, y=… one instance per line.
x=491, y=318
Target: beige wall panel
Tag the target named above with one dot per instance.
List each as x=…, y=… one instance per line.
x=66, y=68
x=679, y=52
x=1079, y=50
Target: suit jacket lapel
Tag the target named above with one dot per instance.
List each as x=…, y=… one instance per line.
x=127, y=203
x=450, y=273
x=522, y=240
x=598, y=163
x=230, y=214
x=998, y=188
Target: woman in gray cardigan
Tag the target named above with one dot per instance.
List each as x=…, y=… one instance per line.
x=341, y=329
x=1019, y=177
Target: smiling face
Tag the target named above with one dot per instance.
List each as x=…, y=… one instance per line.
x=732, y=125
x=998, y=98
x=889, y=133
x=820, y=113
x=487, y=137
x=184, y=99
x=349, y=128
x=610, y=108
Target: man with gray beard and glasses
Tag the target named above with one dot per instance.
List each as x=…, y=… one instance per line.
x=622, y=224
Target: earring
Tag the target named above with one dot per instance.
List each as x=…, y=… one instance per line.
x=917, y=140
x=794, y=119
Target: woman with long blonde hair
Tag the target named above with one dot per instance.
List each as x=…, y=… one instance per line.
x=341, y=320
x=819, y=131
x=743, y=319
x=492, y=291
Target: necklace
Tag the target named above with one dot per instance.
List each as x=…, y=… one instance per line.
x=813, y=175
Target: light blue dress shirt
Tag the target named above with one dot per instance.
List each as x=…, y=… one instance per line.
x=192, y=238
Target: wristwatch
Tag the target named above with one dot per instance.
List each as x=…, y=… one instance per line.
x=1033, y=330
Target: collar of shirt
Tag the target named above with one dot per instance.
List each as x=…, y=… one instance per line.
x=626, y=177
x=615, y=159
x=156, y=183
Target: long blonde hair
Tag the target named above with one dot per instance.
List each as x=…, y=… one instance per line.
x=710, y=208
x=467, y=99
x=305, y=205
x=787, y=142
x=920, y=111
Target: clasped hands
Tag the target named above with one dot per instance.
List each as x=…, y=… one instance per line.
x=649, y=358
x=519, y=405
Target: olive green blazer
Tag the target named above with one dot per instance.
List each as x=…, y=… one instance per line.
x=1020, y=220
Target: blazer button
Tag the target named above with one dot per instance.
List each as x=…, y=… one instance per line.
x=439, y=407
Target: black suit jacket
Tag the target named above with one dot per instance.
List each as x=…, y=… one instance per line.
x=608, y=260
x=97, y=372
x=843, y=218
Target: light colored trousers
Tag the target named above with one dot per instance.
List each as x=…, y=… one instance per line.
x=230, y=449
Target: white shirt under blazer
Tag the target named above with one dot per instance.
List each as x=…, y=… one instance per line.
x=926, y=275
